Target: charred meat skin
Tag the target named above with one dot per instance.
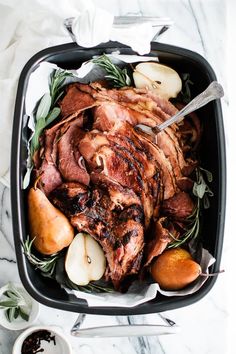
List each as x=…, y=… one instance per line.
x=70, y=198
x=121, y=234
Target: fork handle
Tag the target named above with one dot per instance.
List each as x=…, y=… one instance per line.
x=213, y=91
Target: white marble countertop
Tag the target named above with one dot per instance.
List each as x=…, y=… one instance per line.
x=199, y=26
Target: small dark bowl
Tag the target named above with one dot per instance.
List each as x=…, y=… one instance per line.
x=70, y=56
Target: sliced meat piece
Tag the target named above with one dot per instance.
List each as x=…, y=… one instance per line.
x=70, y=198
x=90, y=144
x=120, y=196
x=159, y=241
x=185, y=184
x=164, y=165
x=50, y=176
x=70, y=161
x=119, y=165
x=172, y=151
x=75, y=101
x=129, y=244
x=109, y=114
x=179, y=207
x=165, y=105
x=121, y=235
x=111, y=163
x=190, y=130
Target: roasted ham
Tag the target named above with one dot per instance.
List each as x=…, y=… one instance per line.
x=112, y=180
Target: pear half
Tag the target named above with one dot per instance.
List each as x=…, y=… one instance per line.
x=85, y=260
x=159, y=78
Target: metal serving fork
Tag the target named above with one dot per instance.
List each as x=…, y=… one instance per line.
x=213, y=92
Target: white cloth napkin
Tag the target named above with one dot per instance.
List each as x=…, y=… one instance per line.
x=28, y=26
x=95, y=25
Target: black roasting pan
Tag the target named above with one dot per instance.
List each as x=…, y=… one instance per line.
x=70, y=56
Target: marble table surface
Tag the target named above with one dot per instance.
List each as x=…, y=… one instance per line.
x=199, y=26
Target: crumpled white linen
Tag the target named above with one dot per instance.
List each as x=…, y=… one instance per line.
x=95, y=25
x=28, y=26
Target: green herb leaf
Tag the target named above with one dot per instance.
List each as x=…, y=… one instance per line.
x=23, y=315
x=44, y=106
x=17, y=311
x=46, y=264
x=57, y=80
x=199, y=190
x=10, y=313
x=40, y=125
x=10, y=294
x=52, y=115
x=202, y=191
x=208, y=174
x=119, y=77
x=46, y=112
x=8, y=303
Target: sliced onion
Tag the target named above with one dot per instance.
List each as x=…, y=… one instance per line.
x=81, y=163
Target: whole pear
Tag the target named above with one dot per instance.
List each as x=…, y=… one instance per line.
x=174, y=269
x=49, y=228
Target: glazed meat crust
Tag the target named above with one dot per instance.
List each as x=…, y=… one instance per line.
x=112, y=180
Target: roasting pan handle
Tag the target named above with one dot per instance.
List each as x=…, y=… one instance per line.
x=123, y=330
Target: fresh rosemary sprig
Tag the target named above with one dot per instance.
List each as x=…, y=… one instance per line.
x=192, y=228
x=46, y=112
x=91, y=288
x=202, y=192
x=46, y=265
x=119, y=77
x=57, y=80
x=15, y=304
x=53, y=267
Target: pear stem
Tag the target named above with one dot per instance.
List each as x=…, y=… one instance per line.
x=36, y=181
x=212, y=274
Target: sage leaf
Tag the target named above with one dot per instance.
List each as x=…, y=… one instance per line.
x=40, y=125
x=17, y=311
x=26, y=179
x=8, y=303
x=206, y=202
x=208, y=175
x=44, y=106
x=23, y=315
x=199, y=190
x=52, y=115
x=10, y=314
x=10, y=294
